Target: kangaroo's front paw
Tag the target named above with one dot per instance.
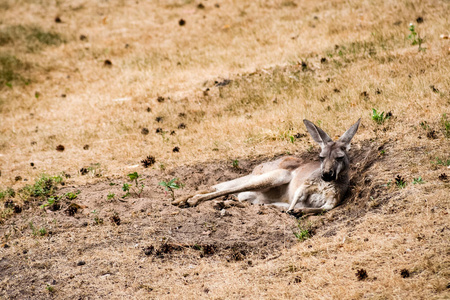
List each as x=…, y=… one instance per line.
x=295, y=212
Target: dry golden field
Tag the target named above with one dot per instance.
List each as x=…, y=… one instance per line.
x=90, y=89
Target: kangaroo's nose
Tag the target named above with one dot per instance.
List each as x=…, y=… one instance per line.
x=328, y=176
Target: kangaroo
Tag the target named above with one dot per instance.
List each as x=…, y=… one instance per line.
x=287, y=182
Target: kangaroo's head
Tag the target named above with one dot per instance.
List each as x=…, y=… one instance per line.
x=333, y=157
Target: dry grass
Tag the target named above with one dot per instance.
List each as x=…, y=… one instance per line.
x=330, y=62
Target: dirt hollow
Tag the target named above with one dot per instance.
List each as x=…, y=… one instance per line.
x=92, y=238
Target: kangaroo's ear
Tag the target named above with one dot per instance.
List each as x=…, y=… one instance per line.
x=317, y=134
x=348, y=135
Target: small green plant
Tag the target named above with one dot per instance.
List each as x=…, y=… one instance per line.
x=97, y=219
x=5, y=213
x=33, y=229
x=302, y=235
x=72, y=196
x=138, y=187
x=446, y=124
x=424, y=125
x=415, y=38
x=235, y=164
x=51, y=201
x=8, y=193
x=37, y=232
x=418, y=180
x=441, y=162
x=111, y=196
x=303, y=232
x=44, y=187
x=400, y=182
x=292, y=139
x=382, y=152
x=379, y=117
x=50, y=288
x=170, y=186
x=126, y=188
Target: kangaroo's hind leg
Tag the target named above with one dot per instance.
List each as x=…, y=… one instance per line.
x=247, y=183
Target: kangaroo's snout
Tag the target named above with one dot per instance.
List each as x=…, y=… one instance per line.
x=329, y=176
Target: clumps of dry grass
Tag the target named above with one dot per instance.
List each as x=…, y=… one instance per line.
x=404, y=273
x=115, y=218
x=361, y=274
x=148, y=161
x=443, y=177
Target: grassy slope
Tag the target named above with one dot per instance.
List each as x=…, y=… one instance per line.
x=259, y=46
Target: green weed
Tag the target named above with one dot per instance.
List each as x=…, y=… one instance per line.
x=418, y=180
x=72, y=196
x=442, y=162
x=97, y=219
x=235, y=163
x=400, y=182
x=170, y=186
x=44, y=187
x=446, y=125
x=138, y=188
x=415, y=38
x=8, y=193
x=379, y=117
x=424, y=125
x=126, y=188
x=50, y=288
x=303, y=232
x=37, y=232
x=51, y=201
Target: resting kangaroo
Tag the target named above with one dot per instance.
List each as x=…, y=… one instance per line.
x=287, y=182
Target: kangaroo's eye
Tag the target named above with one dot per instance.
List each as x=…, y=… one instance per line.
x=340, y=158
x=321, y=158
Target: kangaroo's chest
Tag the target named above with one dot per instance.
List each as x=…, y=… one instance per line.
x=313, y=192
x=318, y=192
